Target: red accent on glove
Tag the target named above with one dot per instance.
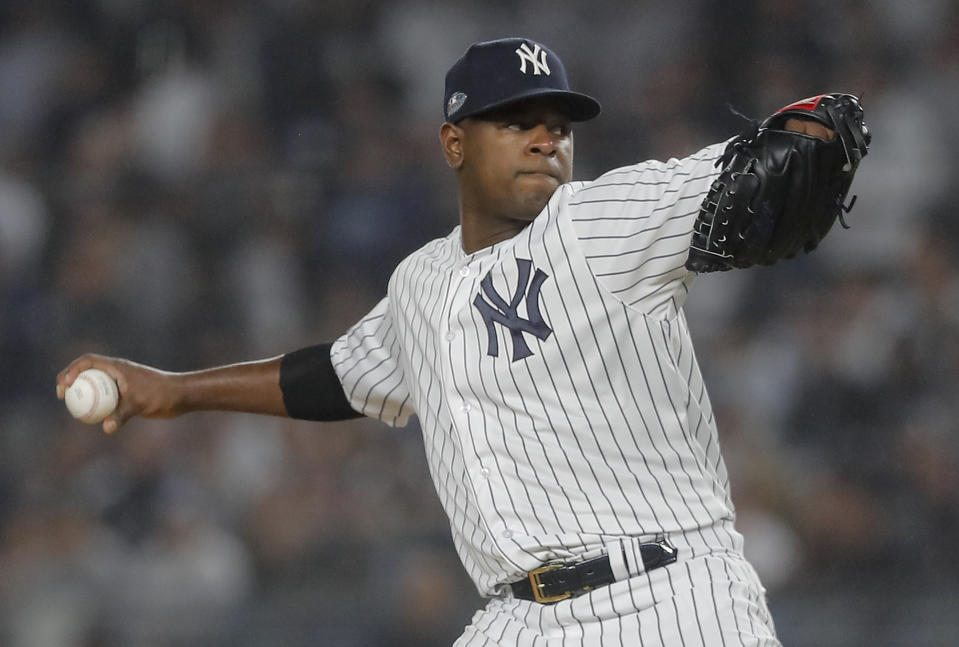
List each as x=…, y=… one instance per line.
x=809, y=104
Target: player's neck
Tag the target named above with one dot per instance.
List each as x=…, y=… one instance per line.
x=480, y=233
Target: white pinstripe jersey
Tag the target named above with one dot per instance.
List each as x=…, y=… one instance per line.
x=554, y=378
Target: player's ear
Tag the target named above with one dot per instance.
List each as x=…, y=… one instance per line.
x=451, y=137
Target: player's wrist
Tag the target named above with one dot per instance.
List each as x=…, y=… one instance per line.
x=159, y=394
x=179, y=394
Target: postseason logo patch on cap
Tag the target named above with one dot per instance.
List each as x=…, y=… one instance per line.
x=457, y=99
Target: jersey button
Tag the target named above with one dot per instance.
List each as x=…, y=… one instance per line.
x=450, y=336
x=484, y=472
x=464, y=271
x=508, y=534
x=465, y=407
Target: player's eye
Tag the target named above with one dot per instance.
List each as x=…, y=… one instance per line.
x=515, y=126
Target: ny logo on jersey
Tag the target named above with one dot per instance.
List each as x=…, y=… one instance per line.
x=536, y=57
x=496, y=310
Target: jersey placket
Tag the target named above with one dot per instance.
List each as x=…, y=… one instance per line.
x=465, y=410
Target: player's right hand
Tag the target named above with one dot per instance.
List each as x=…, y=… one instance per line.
x=144, y=391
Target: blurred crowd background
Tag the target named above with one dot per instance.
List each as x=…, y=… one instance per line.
x=189, y=183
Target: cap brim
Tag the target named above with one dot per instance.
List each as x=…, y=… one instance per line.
x=577, y=106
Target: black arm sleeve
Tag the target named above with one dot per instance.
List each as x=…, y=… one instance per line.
x=311, y=388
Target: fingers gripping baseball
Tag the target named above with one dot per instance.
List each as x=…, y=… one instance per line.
x=143, y=391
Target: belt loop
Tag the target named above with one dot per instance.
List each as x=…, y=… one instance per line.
x=616, y=550
x=634, y=556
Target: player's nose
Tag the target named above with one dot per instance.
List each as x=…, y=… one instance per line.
x=542, y=141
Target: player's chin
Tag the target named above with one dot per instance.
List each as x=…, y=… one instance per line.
x=533, y=199
x=529, y=209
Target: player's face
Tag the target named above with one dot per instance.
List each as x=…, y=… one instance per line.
x=513, y=160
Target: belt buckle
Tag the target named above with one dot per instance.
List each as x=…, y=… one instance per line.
x=537, y=586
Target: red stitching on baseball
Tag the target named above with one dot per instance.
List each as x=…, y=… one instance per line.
x=96, y=395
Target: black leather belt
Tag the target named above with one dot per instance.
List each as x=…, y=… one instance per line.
x=555, y=582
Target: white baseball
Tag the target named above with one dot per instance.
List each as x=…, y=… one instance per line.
x=92, y=397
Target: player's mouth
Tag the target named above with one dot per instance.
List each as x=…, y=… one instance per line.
x=540, y=174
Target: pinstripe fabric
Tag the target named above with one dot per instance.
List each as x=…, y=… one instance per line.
x=575, y=417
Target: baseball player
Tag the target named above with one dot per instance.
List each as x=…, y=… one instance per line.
x=543, y=346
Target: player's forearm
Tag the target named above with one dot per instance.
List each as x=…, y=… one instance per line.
x=248, y=387
x=301, y=384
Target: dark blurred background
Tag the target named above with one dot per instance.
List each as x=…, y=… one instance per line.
x=196, y=182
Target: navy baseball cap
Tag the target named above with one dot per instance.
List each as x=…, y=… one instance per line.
x=496, y=73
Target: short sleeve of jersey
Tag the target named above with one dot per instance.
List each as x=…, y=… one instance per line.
x=634, y=225
x=367, y=361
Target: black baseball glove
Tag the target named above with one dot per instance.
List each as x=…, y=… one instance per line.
x=780, y=191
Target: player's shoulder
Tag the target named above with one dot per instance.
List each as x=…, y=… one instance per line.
x=436, y=255
x=444, y=249
x=656, y=170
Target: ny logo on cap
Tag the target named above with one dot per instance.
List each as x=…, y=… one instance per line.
x=505, y=314
x=535, y=56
